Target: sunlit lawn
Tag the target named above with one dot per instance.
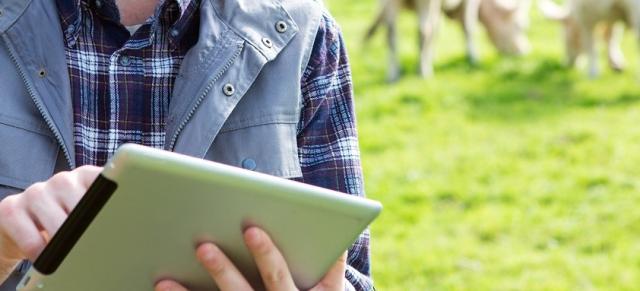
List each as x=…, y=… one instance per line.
x=517, y=174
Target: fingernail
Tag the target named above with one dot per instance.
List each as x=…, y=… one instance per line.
x=253, y=236
x=207, y=252
x=164, y=286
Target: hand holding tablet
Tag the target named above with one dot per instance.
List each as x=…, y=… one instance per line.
x=273, y=268
x=145, y=215
x=34, y=215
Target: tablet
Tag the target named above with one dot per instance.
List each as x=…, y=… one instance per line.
x=143, y=217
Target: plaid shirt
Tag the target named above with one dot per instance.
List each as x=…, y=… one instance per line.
x=121, y=86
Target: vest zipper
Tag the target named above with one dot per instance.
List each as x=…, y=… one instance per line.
x=204, y=94
x=39, y=105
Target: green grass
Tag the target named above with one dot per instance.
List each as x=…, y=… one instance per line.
x=518, y=174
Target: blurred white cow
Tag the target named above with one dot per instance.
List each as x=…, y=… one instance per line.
x=505, y=21
x=580, y=18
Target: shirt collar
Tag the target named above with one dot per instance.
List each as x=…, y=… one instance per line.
x=70, y=15
x=183, y=4
x=69, y=12
x=179, y=24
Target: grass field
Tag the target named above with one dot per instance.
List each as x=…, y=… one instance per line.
x=518, y=174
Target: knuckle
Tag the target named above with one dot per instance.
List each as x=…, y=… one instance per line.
x=216, y=267
x=35, y=191
x=86, y=174
x=6, y=204
x=213, y=260
x=262, y=247
x=63, y=180
x=85, y=168
x=31, y=247
x=8, y=209
x=275, y=276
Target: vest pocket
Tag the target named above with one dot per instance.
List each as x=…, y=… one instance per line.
x=267, y=148
x=27, y=154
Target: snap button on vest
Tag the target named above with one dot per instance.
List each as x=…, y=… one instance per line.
x=249, y=164
x=281, y=26
x=267, y=42
x=228, y=90
x=98, y=3
x=42, y=73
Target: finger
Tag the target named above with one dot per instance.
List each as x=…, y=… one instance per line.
x=43, y=206
x=81, y=180
x=221, y=269
x=334, y=279
x=68, y=198
x=18, y=227
x=87, y=174
x=272, y=266
x=48, y=214
x=168, y=285
x=68, y=187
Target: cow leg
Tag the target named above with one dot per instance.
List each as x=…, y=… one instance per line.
x=390, y=16
x=429, y=17
x=572, y=57
x=573, y=42
x=635, y=20
x=589, y=46
x=613, y=37
x=638, y=39
x=469, y=25
x=392, y=39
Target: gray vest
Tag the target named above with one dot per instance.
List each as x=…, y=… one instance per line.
x=242, y=43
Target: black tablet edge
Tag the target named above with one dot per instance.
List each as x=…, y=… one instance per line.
x=76, y=224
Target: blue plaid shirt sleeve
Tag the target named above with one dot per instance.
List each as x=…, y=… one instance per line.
x=327, y=137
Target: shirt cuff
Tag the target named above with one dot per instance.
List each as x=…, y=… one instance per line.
x=347, y=286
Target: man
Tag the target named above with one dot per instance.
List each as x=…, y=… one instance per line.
x=264, y=85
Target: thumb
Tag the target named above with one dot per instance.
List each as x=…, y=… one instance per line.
x=168, y=285
x=334, y=279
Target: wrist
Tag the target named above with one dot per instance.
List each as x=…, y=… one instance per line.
x=6, y=268
x=8, y=259
x=8, y=256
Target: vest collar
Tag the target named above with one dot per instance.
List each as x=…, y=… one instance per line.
x=10, y=11
x=265, y=25
x=255, y=24
x=255, y=21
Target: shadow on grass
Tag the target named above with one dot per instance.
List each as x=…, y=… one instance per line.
x=505, y=89
x=521, y=91
x=458, y=64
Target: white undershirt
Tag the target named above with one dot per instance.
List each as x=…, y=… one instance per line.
x=133, y=28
